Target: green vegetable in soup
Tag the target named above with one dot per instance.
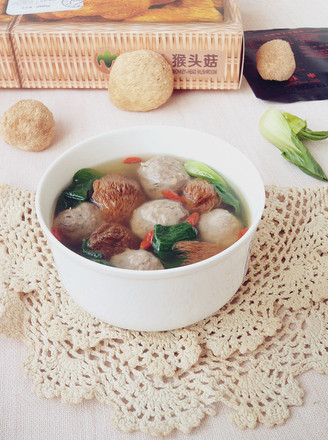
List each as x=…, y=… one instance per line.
x=78, y=191
x=165, y=238
x=275, y=128
x=92, y=255
x=299, y=127
x=223, y=189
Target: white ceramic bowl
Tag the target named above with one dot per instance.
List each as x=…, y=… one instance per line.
x=152, y=300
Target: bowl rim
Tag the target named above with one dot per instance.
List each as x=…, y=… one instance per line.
x=145, y=274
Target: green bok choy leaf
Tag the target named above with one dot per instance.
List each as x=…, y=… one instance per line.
x=92, y=255
x=78, y=191
x=276, y=129
x=223, y=189
x=299, y=127
x=165, y=238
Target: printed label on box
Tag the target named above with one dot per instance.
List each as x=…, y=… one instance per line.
x=22, y=7
x=104, y=58
x=186, y=64
x=197, y=63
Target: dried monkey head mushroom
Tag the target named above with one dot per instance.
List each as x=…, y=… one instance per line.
x=140, y=81
x=275, y=60
x=28, y=125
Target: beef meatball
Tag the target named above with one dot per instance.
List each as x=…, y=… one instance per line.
x=136, y=260
x=117, y=196
x=78, y=223
x=219, y=226
x=201, y=196
x=111, y=239
x=162, y=173
x=163, y=212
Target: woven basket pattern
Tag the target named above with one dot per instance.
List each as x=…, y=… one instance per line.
x=8, y=72
x=62, y=55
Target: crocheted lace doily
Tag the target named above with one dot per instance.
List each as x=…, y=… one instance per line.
x=247, y=356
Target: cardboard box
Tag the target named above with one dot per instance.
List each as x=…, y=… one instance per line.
x=201, y=39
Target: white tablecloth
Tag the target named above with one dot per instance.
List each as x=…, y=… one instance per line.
x=230, y=115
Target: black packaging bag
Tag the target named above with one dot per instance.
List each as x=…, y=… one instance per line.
x=309, y=82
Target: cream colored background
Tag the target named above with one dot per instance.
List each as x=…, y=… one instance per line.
x=231, y=115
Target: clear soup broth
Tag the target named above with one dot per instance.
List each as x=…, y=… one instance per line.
x=149, y=213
